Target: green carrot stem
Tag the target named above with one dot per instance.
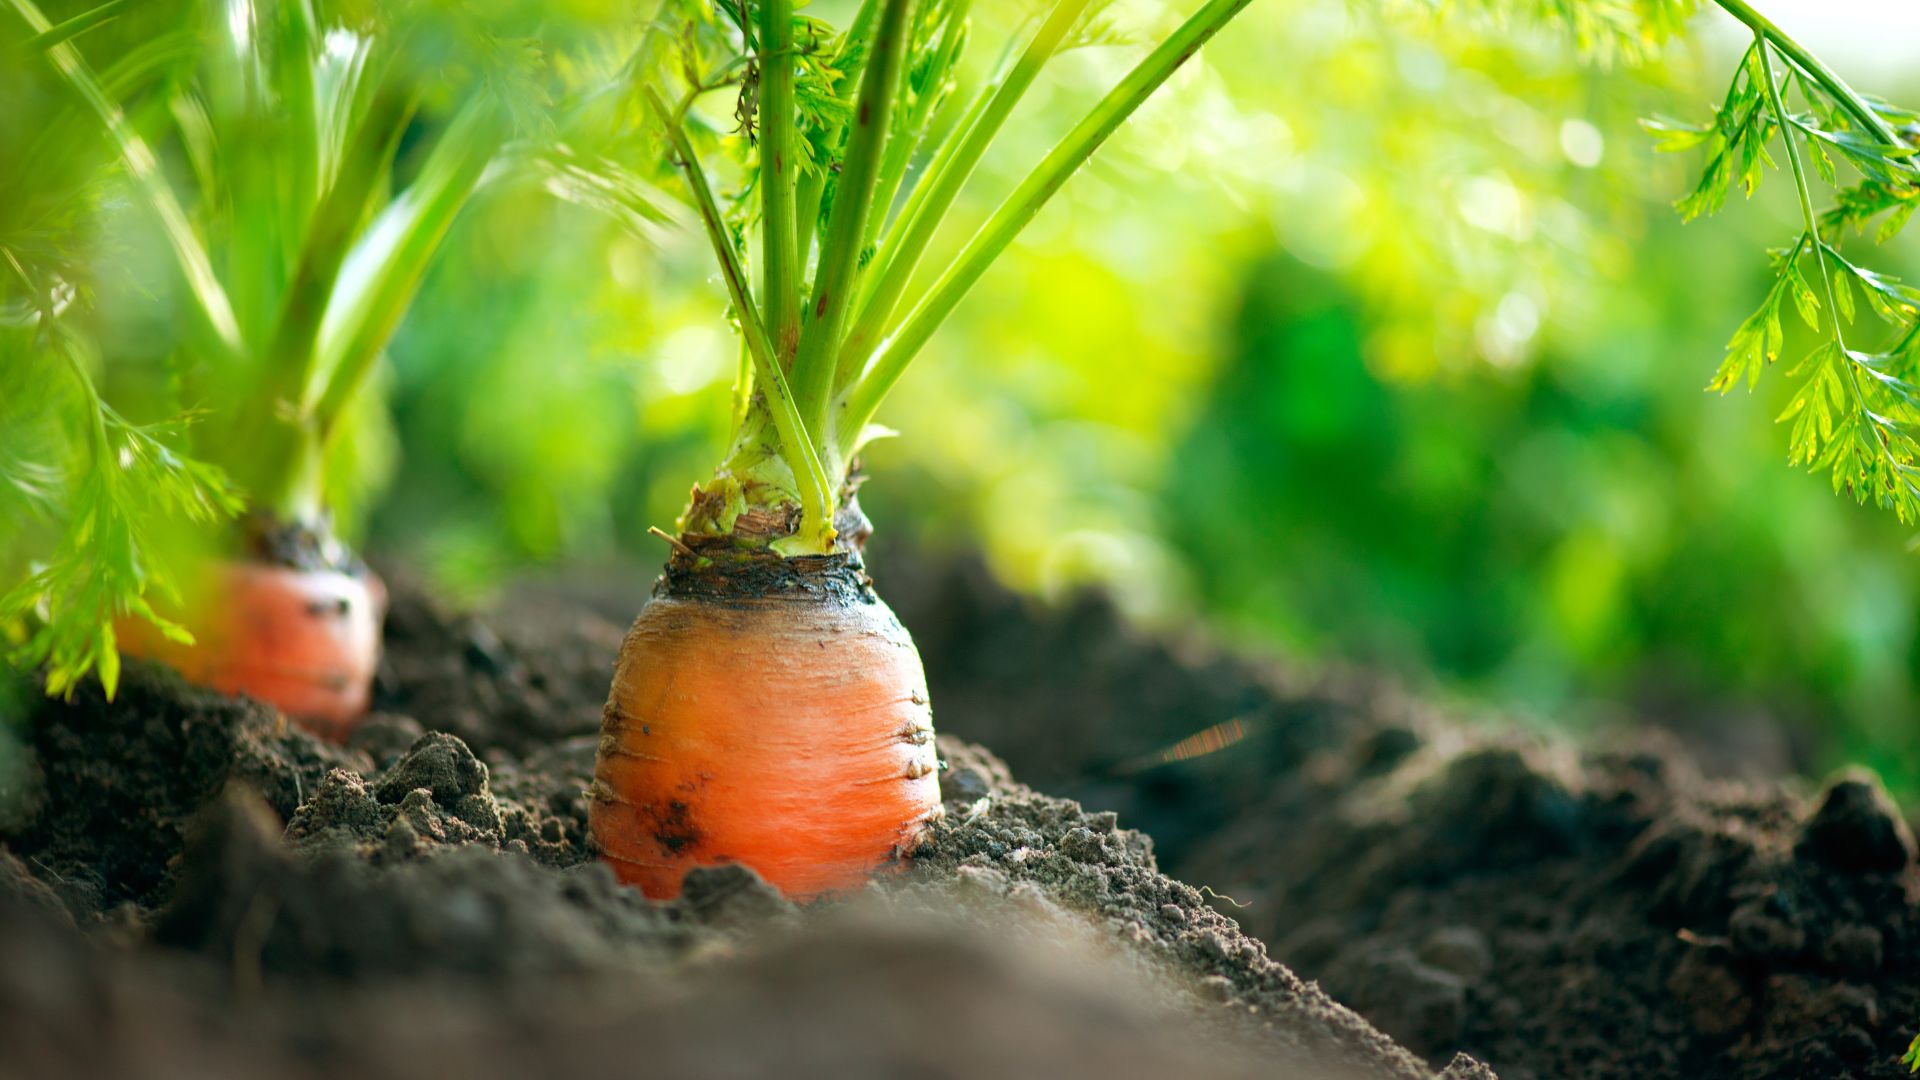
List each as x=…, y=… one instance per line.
x=950, y=38
x=1797, y=54
x=294, y=345
x=377, y=280
x=840, y=251
x=922, y=218
x=778, y=244
x=891, y=359
x=296, y=48
x=806, y=218
x=74, y=27
x=813, y=189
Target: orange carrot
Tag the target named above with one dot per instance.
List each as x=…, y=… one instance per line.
x=788, y=730
x=784, y=723
x=305, y=641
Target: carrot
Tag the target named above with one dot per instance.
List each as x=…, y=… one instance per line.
x=304, y=641
x=346, y=206
x=786, y=727
x=767, y=708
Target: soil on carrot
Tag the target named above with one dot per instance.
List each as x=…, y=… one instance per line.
x=1555, y=910
x=188, y=885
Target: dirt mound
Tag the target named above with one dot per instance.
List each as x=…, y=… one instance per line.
x=190, y=882
x=866, y=994
x=1608, y=915
x=197, y=887
x=1012, y=844
x=110, y=788
x=1558, y=913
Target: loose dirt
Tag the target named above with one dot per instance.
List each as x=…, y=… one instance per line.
x=188, y=885
x=1557, y=910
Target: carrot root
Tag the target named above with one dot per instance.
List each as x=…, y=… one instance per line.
x=791, y=733
x=304, y=641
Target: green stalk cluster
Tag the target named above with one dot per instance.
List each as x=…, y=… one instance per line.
x=295, y=141
x=292, y=252
x=825, y=348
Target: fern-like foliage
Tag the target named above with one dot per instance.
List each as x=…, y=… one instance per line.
x=107, y=489
x=1854, y=415
x=87, y=497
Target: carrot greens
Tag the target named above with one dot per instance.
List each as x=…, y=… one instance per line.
x=1855, y=415
x=130, y=481
x=298, y=168
x=294, y=165
x=856, y=152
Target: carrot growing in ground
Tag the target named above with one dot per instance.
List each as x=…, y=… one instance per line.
x=767, y=707
x=293, y=253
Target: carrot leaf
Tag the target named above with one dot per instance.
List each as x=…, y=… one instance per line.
x=1854, y=414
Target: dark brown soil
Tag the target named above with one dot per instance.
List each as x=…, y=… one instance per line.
x=190, y=887
x=1557, y=911
x=193, y=888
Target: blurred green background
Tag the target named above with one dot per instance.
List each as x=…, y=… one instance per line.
x=1374, y=339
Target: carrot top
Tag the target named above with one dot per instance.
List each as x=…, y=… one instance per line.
x=859, y=143
x=294, y=164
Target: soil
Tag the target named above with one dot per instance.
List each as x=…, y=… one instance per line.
x=1556, y=910
x=190, y=886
